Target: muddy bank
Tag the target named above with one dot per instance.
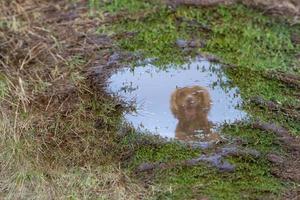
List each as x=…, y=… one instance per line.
x=286, y=7
x=284, y=166
x=216, y=160
x=291, y=80
x=291, y=111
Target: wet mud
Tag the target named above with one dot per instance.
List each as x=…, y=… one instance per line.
x=286, y=7
x=291, y=80
x=217, y=160
x=284, y=166
x=290, y=111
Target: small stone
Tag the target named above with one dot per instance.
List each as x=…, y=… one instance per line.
x=218, y=162
x=181, y=43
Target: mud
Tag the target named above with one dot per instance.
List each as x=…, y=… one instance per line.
x=282, y=133
x=285, y=8
x=286, y=166
x=293, y=194
x=295, y=38
x=195, y=24
x=185, y=44
x=216, y=160
x=290, y=80
x=288, y=110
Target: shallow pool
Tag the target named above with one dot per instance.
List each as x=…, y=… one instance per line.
x=189, y=102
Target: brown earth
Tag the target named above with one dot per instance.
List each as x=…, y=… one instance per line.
x=281, y=7
x=286, y=167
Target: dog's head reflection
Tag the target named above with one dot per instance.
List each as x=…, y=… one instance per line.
x=191, y=105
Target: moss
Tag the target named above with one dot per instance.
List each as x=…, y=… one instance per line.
x=255, y=43
x=129, y=5
x=256, y=85
x=237, y=34
x=246, y=37
x=154, y=39
x=252, y=177
x=168, y=152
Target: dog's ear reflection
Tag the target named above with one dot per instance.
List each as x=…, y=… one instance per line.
x=191, y=105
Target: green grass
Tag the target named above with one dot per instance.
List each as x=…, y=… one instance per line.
x=238, y=35
x=251, y=179
x=116, y=6
x=128, y=5
x=155, y=39
x=255, y=43
x=200, y=181
x=256, y=85
x=247, y=38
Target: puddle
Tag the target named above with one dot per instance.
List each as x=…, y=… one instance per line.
x=187, y=103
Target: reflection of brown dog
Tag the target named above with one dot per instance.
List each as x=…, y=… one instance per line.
x=191, y=105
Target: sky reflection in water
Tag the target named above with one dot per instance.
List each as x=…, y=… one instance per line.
x=178, y=102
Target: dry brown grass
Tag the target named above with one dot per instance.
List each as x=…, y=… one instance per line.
x=50, y=148
x=37, y=166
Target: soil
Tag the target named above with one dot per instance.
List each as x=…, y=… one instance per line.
x=287, y=166
x=290, y=80
x=216, y=160
x=290, y=111
x=286, y=7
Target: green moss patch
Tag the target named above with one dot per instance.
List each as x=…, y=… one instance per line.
x=240, y=36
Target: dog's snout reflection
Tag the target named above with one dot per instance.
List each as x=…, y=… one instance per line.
x=191, y=105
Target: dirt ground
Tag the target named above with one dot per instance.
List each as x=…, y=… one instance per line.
x=286, y=7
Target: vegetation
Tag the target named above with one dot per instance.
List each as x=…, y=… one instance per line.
x=60, y=133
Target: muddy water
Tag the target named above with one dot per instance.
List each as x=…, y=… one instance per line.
x=187, y=103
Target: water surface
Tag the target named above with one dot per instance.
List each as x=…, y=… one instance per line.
x=187, y=103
